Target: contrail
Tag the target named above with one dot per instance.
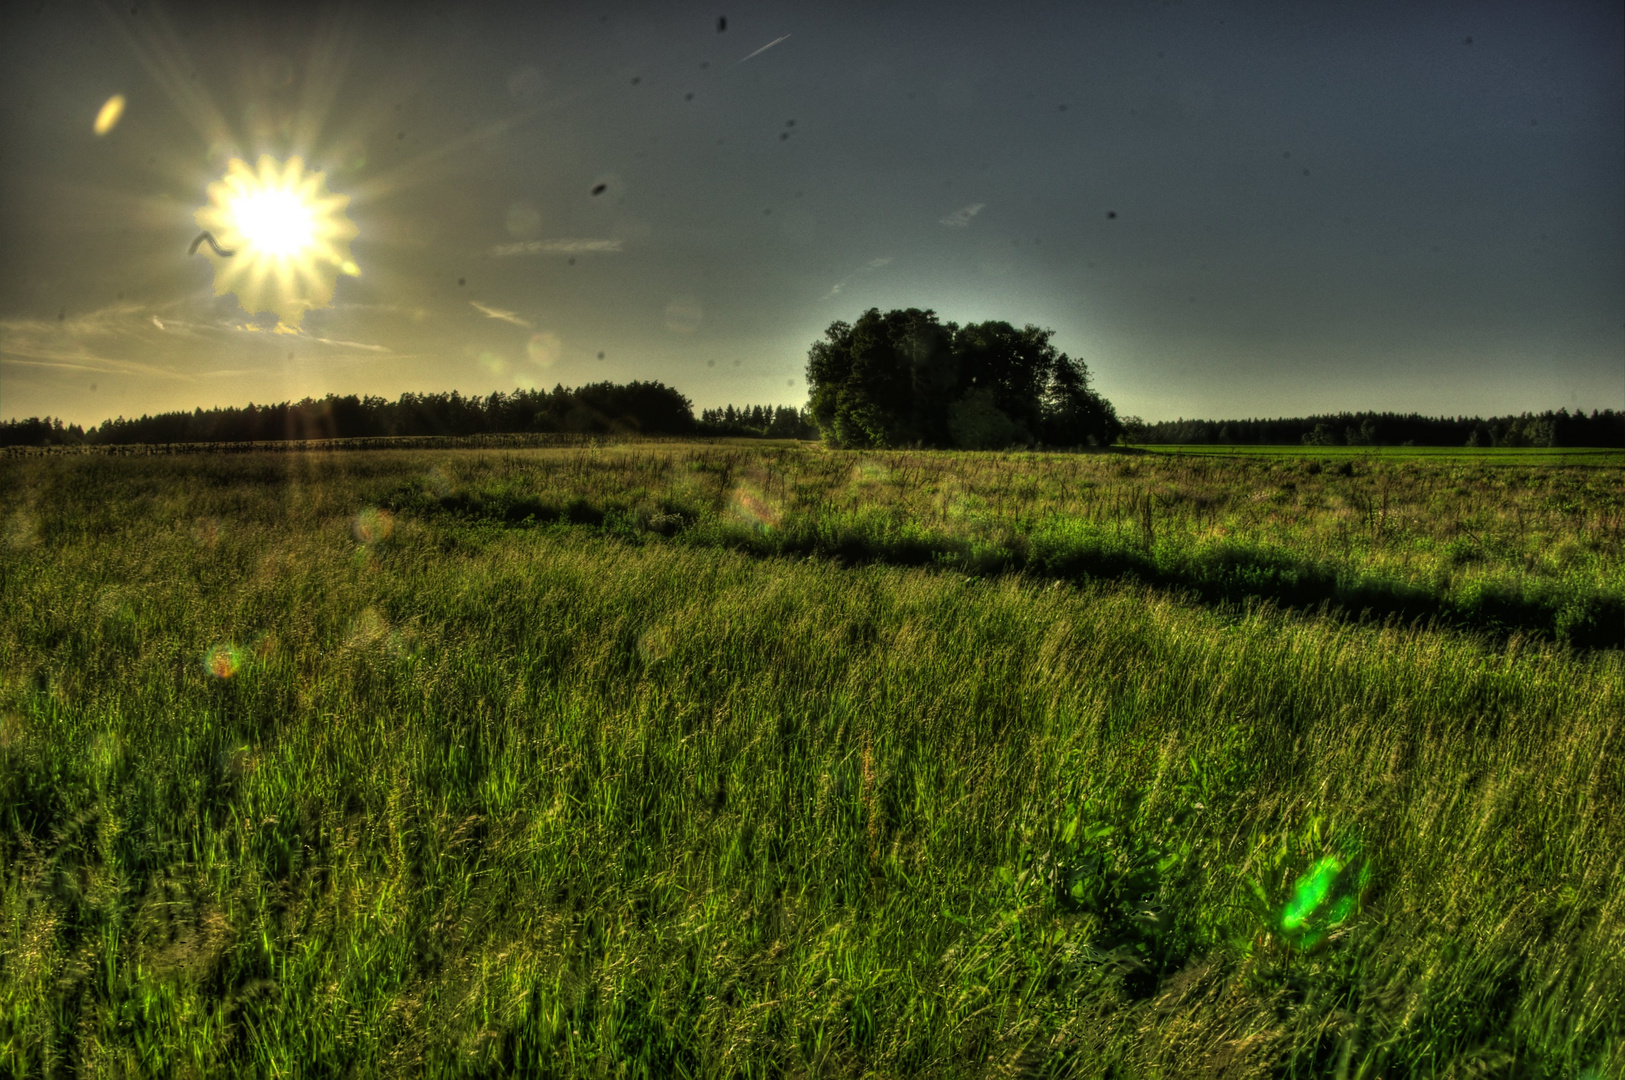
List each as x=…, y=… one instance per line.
x=766, y=47
x=224, y=253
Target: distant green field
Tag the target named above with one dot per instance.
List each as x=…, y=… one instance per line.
x=1561, y=455
x=763, y=760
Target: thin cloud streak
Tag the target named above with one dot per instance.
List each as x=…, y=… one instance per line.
x=868, y=267
x=557, y=247
x=763, y=49
x=498, y=313
x=961, y=218
x=341, y=343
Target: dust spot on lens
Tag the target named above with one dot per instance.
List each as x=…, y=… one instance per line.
x=599, y=189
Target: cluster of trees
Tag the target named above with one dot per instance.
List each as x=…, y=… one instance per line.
x=763, y=421
x=649, y=408
x=905, y=379
x=1560, y=428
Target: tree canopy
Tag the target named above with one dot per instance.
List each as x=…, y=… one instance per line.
x=906, y=379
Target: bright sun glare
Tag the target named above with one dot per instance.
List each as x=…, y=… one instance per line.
x=274, y=222
x=291, y=234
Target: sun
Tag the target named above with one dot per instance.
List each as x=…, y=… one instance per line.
x=275, y=223
x=290, y=234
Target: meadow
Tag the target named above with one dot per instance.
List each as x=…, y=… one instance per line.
x=764, y=759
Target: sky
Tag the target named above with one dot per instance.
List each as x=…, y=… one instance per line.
x=1224, y=209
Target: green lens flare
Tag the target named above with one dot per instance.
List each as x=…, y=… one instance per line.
x=1323, y=899
x=223, y=661
x=1310, y=892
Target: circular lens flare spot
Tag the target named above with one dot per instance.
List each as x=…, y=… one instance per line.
x=372, y=525
x=753, y=506
x=223, y=661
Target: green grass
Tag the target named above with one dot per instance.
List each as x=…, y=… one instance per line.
x=568, y=764
x=1533, y=550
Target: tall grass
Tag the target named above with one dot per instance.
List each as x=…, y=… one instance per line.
x=294, y=784
x=1492, y=547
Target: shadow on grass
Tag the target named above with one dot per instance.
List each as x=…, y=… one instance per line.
x=1227, y=574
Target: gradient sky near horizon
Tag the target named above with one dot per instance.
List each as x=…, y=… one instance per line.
x=1226, y=209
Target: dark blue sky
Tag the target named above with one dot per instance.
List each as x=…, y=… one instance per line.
x=1225, y=209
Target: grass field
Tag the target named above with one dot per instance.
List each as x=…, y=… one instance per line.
x=768, y=760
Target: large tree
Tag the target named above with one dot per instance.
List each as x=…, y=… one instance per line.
x=905, y=379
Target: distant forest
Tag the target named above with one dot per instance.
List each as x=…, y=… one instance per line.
x=1560, y=428
x=767, y=421
x=643, y=408
x=651, y=408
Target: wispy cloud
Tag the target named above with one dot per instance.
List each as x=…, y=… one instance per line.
x=868, y=267
x=960, y=218
x=557, y=247
x=284, y=328
x=342, y=344
x=67, y=344
x=498, y=313
x=100, y=343
x=280, y=328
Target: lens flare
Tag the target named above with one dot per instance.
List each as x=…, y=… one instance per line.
x=223, y=661
x=1309, y=892
x=107, y=119
x=654, y=645
x=372, y=525
x=291, y=237
x=544, y=348
x=1323, y=899
x=755, y=507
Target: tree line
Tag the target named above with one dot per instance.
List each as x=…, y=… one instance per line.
x=1604, y=428
x=648, y=408
x=761, y=421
